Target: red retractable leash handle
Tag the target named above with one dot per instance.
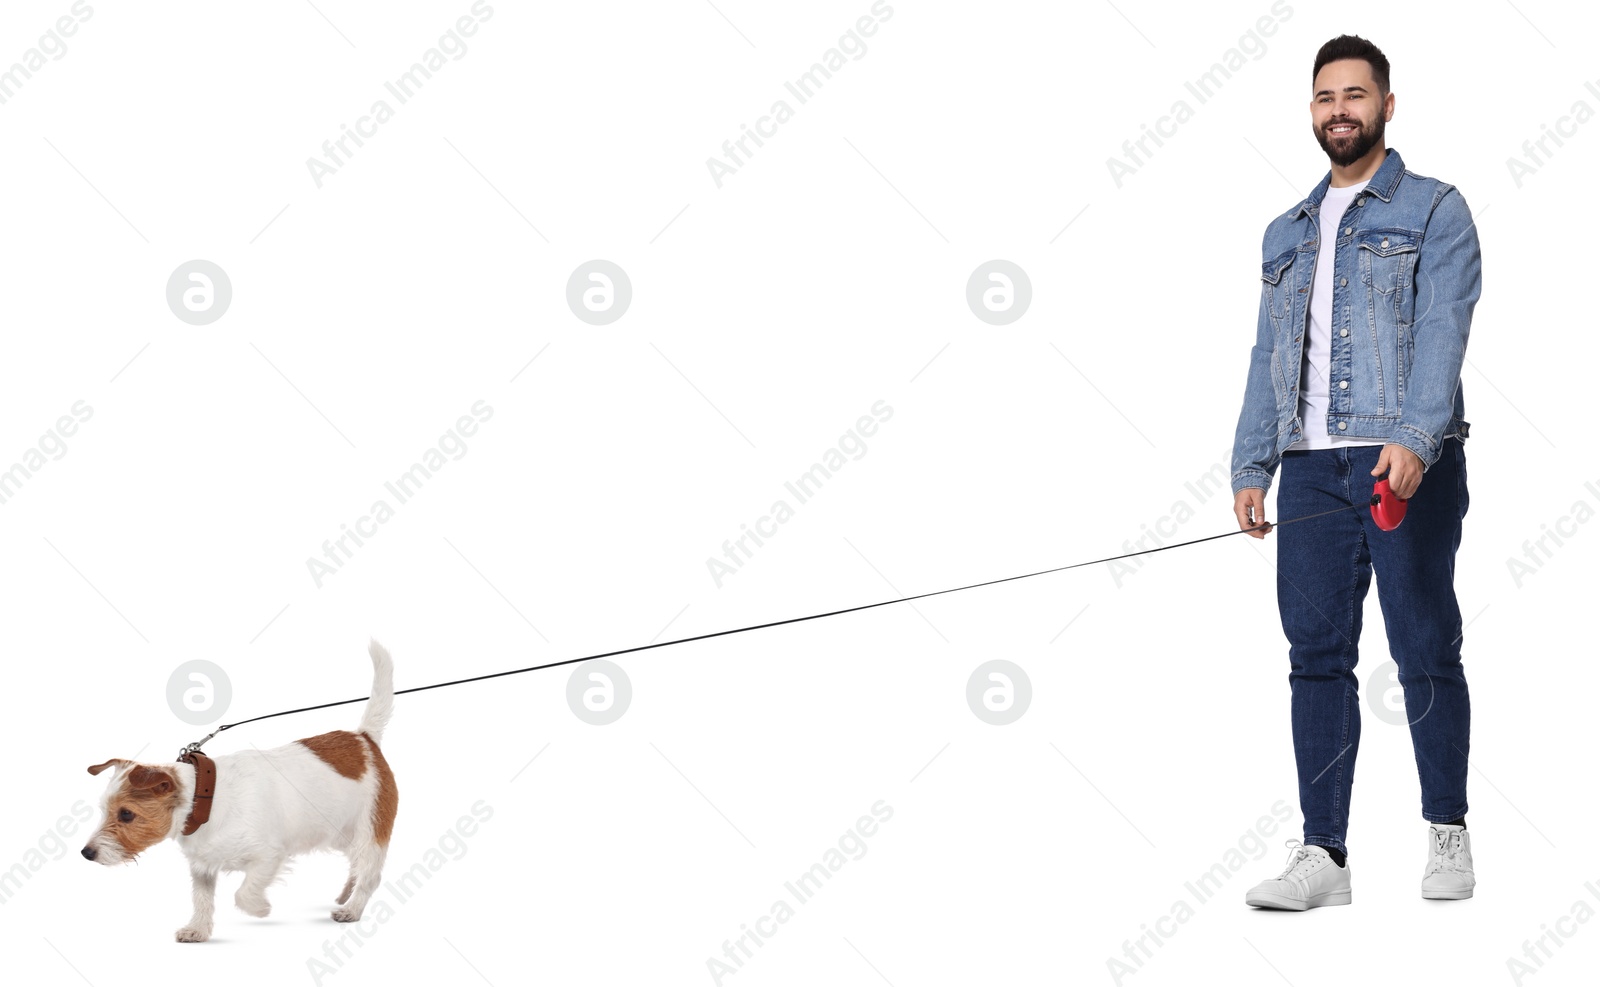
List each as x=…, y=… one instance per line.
x=1387, y=509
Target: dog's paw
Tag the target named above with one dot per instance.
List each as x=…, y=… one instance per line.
x=346, y=914
x=191, y=934
x=259, y=907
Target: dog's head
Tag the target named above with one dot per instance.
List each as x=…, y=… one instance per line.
x=138, y=810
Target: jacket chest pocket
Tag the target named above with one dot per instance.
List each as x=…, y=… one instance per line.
x=1388, y=265
x=1277, y=287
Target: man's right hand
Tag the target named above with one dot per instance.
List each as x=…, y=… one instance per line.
x=1250, y=507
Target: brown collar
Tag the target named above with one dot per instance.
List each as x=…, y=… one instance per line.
x=205, y=785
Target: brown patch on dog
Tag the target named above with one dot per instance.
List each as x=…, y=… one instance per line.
x=151, y=797
x=342, y=750
x=388, y=801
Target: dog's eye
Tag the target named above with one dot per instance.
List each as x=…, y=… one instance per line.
x=126, y=815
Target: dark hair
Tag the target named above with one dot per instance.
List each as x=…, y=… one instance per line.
x=1353, y=46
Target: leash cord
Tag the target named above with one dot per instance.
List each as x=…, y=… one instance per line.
x=790, y=620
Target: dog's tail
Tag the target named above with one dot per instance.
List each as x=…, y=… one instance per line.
x=381, y=703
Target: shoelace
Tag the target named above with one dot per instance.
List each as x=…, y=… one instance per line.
x=1299, y=855
x=1446, y=851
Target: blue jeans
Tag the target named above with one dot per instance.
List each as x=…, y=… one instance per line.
x=1324, y=568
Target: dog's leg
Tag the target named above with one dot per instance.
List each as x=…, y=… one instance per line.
x=205, y=893
x=366, y=872
x=252, y=895
x=349, y=885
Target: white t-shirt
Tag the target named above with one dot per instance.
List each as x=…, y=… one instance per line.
x=1319, y=336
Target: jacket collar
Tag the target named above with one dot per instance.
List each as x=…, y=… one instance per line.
x=1382, y=184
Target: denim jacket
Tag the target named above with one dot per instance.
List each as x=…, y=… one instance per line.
x=1406, y=275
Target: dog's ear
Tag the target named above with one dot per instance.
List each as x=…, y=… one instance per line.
x=153, y=780
x=95, y=769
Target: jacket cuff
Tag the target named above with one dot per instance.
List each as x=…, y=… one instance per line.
x=1419, y=442
x=1251, y=477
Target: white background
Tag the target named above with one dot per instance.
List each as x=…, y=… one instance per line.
x=767, y=316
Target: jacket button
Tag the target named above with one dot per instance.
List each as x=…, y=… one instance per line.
x=1344, y=385
x=1345, y=331
x=1341, y=426
x=1343, y=282
x=1347, y=231
x=1385, y=242
x=1361, y=200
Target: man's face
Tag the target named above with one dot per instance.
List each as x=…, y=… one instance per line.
x=1347, y=116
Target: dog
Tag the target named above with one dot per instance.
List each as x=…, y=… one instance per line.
x=332, y=791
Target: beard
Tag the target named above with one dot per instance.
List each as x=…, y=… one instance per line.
x=1352, y=147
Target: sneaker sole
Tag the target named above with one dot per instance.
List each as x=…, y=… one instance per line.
x=1264, y=899
x=1448, y=895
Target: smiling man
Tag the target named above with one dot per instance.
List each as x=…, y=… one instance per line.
x=1367, y=292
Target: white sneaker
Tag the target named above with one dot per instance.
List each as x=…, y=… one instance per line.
x=1311, y=878
x=1449, y=871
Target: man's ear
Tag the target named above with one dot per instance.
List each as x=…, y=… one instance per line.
x=153, y=780
x=95, y=769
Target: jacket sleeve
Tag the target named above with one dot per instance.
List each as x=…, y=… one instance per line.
x=1448, y=281
x=1255, y=438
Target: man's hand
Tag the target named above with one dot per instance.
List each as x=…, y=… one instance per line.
x=1250, y=507
x=1405, y=469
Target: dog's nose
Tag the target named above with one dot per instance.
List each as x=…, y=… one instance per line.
x=89, y=853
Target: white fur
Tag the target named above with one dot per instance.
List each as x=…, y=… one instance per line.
x=272, y=805
x=380, y=705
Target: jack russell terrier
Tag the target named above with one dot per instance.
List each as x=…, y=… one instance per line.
x=253, y=810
